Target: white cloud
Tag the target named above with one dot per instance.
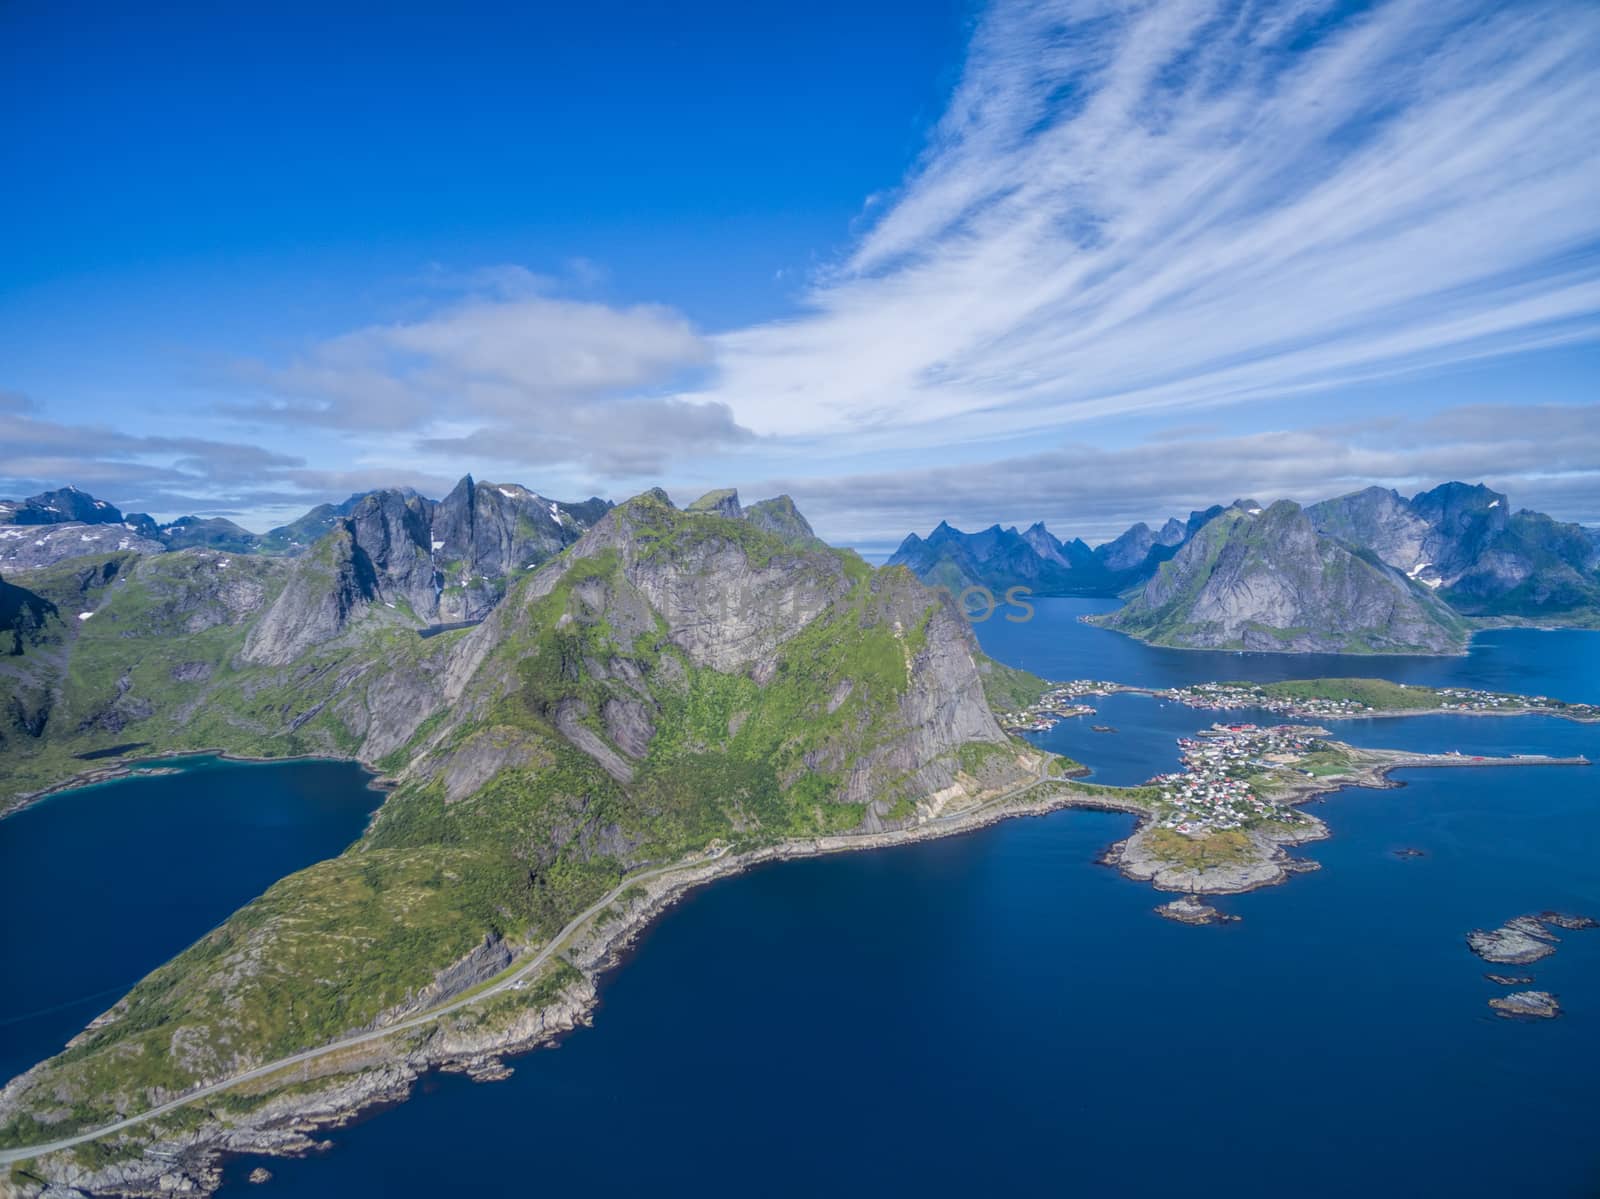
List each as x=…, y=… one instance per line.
x=506, y=356
x=1545, y=456
x=1160, y=206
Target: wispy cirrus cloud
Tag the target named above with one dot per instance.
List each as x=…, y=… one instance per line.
x=1157, y=206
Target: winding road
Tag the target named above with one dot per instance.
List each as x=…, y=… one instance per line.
x=511, y=981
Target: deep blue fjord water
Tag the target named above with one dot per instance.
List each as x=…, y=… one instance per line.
x=994, y=1012
x=99, y=885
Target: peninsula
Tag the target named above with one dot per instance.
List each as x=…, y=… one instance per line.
x=672, y=697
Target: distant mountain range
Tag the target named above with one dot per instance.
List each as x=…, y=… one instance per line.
x=447, y=559
x=1369, y=572
x=998, y=558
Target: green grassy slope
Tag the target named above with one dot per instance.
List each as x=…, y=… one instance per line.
x=594, y=743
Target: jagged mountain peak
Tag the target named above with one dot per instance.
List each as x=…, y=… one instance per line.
x=724, y=501
x=1269, y=581
x=780, y=517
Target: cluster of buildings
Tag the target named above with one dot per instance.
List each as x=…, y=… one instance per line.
x=1471, y=700
x=1212, y=792
x=1078, y=688
x=1228, y=696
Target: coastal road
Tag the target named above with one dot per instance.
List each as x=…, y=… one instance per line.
x=511, y=981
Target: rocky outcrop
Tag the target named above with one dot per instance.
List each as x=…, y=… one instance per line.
x=1568, y=921
x=1265, y=864
x=484, y=535
x=1465, y=540
x=1190, y=909
x=1515, y=943
x=326, y=590
x=24, y=618
x=722, y=502
x=1526, y=1005
x=37, y=547
x=1255, y=579
x=782, y=519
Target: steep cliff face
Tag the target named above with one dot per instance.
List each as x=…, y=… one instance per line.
x=675, y=678
x=24, y=617
x=782, y=519
x=485, y=534
x=325, y=591
x=1382, y=521
x=31, y=636
x=397, y=557
x=1266, y=580
x=1464, y=540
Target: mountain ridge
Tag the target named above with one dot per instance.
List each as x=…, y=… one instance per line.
x=674, y=679
x=1487, y=563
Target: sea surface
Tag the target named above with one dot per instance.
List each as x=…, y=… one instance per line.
x=994, y=1012
x=101, y=884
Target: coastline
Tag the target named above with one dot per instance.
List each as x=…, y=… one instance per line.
x=1092, y=619
x=147, y=766
x=337, y=1085
x=1161, y=692
x=1475, y=626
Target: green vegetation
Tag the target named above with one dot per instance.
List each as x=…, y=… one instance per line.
x=1326, y=761
x=603, y=745
x=1008, y=689
x=1224, y=848
x=1375, y=693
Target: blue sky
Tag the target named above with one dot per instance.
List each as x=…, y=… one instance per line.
x=1086, y=262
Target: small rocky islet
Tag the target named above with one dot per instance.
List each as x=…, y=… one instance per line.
x=1526, y=1005
x=1515, y=943
x=1191, y=909
x=1518, y=942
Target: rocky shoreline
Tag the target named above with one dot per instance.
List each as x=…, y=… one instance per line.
x=382, y=1073
x=149, y=766
x=1270, y=864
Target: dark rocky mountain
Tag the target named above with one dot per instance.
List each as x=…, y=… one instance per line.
x=1465, y=541
x=780, y=517
x=214, y=533
x=301, y=534
x=23, y=617
x=68, y=505
x=1132, y=550
x=999, y=558
x=1462, y=543
x=430, y=562
x=482, y=534
x=1254, y=579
